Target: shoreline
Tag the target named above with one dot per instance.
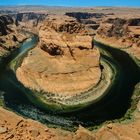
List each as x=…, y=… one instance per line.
x=69, y=106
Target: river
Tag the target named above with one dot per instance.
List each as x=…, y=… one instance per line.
x=113, y=106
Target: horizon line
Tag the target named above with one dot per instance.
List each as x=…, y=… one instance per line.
x=64, y=6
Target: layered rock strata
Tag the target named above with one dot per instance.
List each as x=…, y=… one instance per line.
x=16, y=127
x=64, y=65
x=10, y=36
x=30, y=21
x=122, y=33
x=90, y=20
x=15, y=28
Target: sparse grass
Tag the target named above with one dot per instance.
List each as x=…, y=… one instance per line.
x=1, y=99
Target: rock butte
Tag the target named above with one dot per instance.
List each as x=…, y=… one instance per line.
x=64, y=61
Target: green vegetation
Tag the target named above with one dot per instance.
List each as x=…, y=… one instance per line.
x=2, y=104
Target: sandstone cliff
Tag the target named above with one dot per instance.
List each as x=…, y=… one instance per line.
x=18, y=128
x=29, y=19
x=12, y=29
x=10, y=36
x=4, y=22
x=121, y=33
x=62, y=50
x=90, y=20
x=65, y=62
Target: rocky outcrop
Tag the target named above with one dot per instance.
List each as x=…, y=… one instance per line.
x=64, y=24
x=10, y=36
x=4, y=22
x=16, y=127
x=134, y=22
x=115, y=27
x=13, y=27
x=65, y=59
x=90, y=20
x=121, y=33
x=29, y=19
x=65, y=43
x=82, y=15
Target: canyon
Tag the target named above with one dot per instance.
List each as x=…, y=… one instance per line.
x=69, y=68
x=9, y=33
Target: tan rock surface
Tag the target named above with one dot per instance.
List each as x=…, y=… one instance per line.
x=18, y=128
x=12, y=27
x=64, y=61
x=121, y=33
x=128, y=131
x=15, y=127
x=10, y=35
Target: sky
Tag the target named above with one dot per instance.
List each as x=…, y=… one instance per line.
x=75, y=3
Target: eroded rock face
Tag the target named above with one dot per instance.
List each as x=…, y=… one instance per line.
x=12, y=29
x=121, y=33
x=4, y=21
x=29, y=19
x=64, y=62
x=16, y=127
x=64, y=55
x=10, y=36
x=114, y=27
x=82, y=15
x=90, y=20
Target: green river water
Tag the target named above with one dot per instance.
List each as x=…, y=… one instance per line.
x=113, y=106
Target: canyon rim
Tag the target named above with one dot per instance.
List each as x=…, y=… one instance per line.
x=69, y=73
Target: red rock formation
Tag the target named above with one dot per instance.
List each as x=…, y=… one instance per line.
x=66, y=63
x=10, y=36
x=121, y=33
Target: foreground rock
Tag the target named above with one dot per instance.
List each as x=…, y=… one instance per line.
x=17, y=128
